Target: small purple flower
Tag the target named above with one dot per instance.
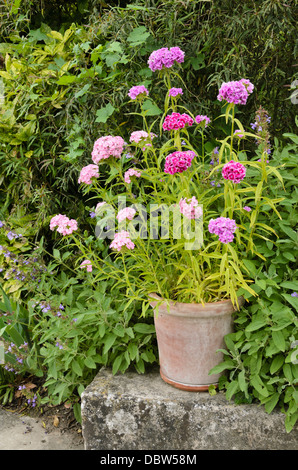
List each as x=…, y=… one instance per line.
x=1, y=223
x=58, y=345
x=92, y=215
x=247, y=208
x=294, y=294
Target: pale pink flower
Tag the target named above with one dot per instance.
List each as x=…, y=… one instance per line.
x=190, y=208
x=107, y=146
x=64, y=225
x=86, y=264
x=129, y=173
x=126, y=213
x=88, y=172
x=121, y=240
x=99, y=205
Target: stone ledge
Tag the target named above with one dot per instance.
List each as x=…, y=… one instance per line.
x=141, y=412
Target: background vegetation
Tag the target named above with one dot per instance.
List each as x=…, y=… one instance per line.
x=66, y=68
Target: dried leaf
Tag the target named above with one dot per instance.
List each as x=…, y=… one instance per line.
x=56, y=421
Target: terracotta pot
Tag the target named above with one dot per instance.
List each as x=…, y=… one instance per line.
x=188, y=336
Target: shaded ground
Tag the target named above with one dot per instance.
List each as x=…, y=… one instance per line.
x=40, y=427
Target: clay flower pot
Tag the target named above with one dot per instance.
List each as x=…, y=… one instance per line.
x=188, y=337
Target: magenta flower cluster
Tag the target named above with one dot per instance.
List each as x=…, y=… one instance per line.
x=87, y=173
x=107, y=146
x=234, y=171
x=137, y=90
x=177, y=162
x=224, y=228
x=235, y=92
x=64, y=225
x=165, y=58
x=177, y=121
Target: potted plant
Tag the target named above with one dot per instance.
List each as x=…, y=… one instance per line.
x=179, y=221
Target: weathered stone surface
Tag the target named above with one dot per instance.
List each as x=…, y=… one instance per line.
x=141, y=412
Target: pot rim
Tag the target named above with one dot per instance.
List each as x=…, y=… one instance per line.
x=170, y=307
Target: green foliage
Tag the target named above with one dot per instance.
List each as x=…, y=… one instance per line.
x=261, y=356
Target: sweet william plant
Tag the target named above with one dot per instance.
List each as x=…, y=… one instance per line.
x=181, y=223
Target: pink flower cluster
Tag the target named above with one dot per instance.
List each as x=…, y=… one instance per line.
x=234, y=171
x=122, y=239
x=88, y=172
x=107, y=146
x=86, y=264
x=204, y=120
x=190, y=208
x=135, y=91
x=175, y=92
x=126, y=213
x=236, y=91
x=165, y=57
x=65, y=225
x=138, y=136
x=224, y=228
x=176, y=121
x=129, y=173
x=177, y=162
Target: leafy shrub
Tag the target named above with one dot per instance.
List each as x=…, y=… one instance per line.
x=261, y=355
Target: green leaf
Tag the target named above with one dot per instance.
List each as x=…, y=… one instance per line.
x=144, y=328
x=110, y=340
x=89, y=362
x=231, y=389
x=117, y=364
x=277, y=363
x=271, y=404
x=104, y=113
x=151, y=109
x=66, y=80
x=257, y=383
x=279, y=340
x=76, y=368
x=138, y=36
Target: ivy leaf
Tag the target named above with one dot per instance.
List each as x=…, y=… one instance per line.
x=104, y=113
x=138, y=36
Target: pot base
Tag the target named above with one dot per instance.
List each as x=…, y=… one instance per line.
x=187, y=387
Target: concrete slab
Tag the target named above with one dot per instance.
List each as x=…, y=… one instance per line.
x=25, y=433
x=141, y=412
